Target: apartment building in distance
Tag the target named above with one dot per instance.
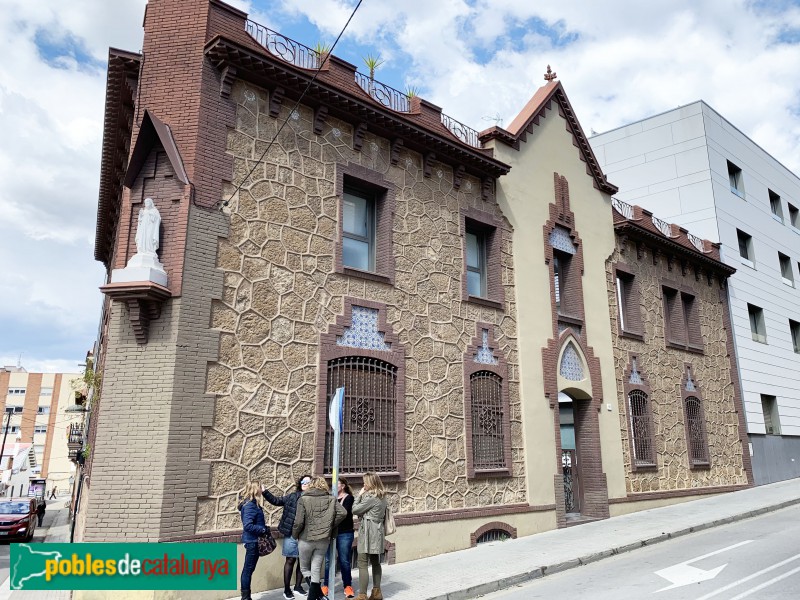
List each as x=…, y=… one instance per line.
x=693, y=167
x=35, y=407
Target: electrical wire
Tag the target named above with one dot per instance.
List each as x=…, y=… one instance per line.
x=296, y=104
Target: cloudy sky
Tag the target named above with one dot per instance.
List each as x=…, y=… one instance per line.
x=480, y=60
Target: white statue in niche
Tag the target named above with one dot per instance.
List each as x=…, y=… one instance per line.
x=144, y=265
x=147, y=232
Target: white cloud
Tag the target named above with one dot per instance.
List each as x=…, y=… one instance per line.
x=619, y=62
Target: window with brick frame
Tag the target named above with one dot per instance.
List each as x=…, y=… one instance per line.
x=482, y=274
x=628, y=309
x=696, y=440
x=368, y=436
x=488, y=435
x=641, y=428
x=364, y=246
x=682, y=320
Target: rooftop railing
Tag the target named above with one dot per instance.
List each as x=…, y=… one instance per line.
x=466, y=134
x=283, y=47
x=697, y=242
x=662, y=226
x=384, y=94
x=623, y=208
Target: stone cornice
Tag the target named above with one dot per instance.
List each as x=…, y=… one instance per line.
x=421, y=130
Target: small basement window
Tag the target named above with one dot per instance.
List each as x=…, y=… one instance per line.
x=493, y=535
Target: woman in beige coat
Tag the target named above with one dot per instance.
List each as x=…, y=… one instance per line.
x=370, y=506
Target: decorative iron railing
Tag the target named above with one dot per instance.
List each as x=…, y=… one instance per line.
x=466, y=134
x=283, y=47
x=662, y=226
x=697, y=242
x=384, y=94
x=623, y=208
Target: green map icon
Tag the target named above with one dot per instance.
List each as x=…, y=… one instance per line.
x=29, y=564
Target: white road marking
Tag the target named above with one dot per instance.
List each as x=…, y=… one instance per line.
x=766, y=584
x=5, y=589
x=685, y=574
x=749, y=577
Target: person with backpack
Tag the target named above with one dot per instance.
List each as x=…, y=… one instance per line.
x=290, y=550
x=251, y=509
x=318, y=514
x=370, y=506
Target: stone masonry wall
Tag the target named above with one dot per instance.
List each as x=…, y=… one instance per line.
x=282, y=291
x=664, y=370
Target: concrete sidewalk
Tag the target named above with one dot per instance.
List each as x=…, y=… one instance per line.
x=494, y=566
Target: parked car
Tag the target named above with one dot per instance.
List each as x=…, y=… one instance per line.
x=17, y=518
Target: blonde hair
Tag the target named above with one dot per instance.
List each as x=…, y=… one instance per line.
x=320, y=484
x=252, y=491
x=373, y=483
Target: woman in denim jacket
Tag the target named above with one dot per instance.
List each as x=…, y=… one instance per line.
x=253, y=525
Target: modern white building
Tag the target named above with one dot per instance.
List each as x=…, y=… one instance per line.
x=692, y=167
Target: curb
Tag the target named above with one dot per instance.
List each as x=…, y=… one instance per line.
x=497, y=585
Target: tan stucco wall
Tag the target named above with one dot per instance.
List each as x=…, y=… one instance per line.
x=59, y=467
x=525, y=195
x=282, y=292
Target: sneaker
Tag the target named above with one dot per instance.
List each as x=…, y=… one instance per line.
x=348, y=592
x=298, y=589
x=288, y=595
x=325, y=590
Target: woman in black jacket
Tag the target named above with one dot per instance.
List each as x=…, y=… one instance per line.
x=290, y=550
x=253, y=525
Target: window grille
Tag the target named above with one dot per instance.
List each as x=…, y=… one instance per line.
x=493, y=535
x=487, y=421
x=641, y=429
x=368, y=432
x=698, y=447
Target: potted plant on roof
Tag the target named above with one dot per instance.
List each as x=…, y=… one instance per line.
x=372, y=62
x=323, y=50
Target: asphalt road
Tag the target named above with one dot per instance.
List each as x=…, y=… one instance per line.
x=756, y=558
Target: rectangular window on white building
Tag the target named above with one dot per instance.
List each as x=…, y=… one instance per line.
x=757, y=327
x=772, y=421
x=14, y=409
x=735, y=179
x=775, y=206
x=48, y=391
x=43, y=410
x=786, y=269
x=18, y=391
x=40, y=429
x=794, y=329
x=794, y=216
x=746, y=247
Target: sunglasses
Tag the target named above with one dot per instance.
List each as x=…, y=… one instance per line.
x=305, y=482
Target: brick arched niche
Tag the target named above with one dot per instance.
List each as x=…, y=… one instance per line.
x=493, y=526
x=637, y=407
x=482, y=360
x=361, y=333
x=698, y=451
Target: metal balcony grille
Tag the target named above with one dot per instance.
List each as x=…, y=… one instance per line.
x=641, y=428
x=368, y=433
x=487, y=421
x=493, y=535
x=283, y=47
x=698, y=447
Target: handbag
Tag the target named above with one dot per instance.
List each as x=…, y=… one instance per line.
x=266, y=543
x=389, y=526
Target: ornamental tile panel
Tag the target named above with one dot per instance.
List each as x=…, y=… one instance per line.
x=561, y=240
x=485, y=355
x=571, y=365
x=363, y=332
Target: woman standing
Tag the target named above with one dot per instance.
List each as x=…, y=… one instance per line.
x=253, y=525
x=317, y=515
x=344, y=541
x=290, y=551
x=370, y=506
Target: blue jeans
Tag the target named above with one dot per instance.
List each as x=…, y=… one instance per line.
x=250, y=561
x=344, y=552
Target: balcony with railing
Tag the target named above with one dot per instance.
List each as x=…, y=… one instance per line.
x=299, y=55
x=74, y=441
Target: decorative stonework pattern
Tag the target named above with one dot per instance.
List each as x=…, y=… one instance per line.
x=485, y=356
x=282, y=292
x=363, y=333
x=665, y=369
x=561, y=240
x=571, y=367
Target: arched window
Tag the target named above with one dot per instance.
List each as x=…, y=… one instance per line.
x=641, y=429
x=695, y=431
x=369, y=431
x=486, y=401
